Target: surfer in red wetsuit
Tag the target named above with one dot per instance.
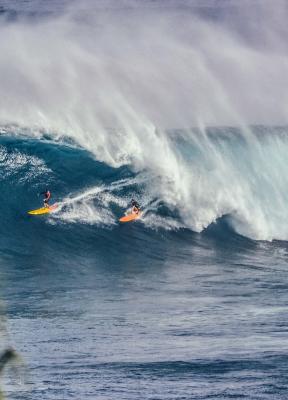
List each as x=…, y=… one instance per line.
x=47, y=196
x=135, y=207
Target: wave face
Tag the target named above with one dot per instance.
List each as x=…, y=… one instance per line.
x=192, y=179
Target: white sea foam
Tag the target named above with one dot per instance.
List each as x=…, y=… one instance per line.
x=13, y=162
x=93, y=205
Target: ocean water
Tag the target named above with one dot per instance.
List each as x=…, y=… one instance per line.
x=107, y=101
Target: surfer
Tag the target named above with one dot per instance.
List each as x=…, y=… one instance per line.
x=135, y=207
x=47, y=196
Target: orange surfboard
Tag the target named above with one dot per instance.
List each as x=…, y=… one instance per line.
x=130, y=217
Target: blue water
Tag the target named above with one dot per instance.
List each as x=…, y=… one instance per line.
x=128, y=311
x=190, y=301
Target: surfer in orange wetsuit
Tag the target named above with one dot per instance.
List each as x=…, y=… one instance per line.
x=135, y=207
x=47, y=196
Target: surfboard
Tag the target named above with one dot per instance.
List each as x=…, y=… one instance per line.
x=130, y=217
x=43, y=210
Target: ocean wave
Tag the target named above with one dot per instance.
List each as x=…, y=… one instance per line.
x=223, y=172
x=115, y=104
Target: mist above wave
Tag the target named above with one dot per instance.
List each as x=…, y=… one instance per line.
x=137, y=67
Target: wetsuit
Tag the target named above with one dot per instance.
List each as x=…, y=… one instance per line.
x=47, y=197
x=135, y=207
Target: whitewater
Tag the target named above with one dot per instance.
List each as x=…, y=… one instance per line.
x=181, y=105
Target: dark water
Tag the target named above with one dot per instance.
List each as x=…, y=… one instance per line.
x=126, y=311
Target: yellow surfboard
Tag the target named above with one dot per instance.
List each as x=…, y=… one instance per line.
x=130, y=217
x=43, y=210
